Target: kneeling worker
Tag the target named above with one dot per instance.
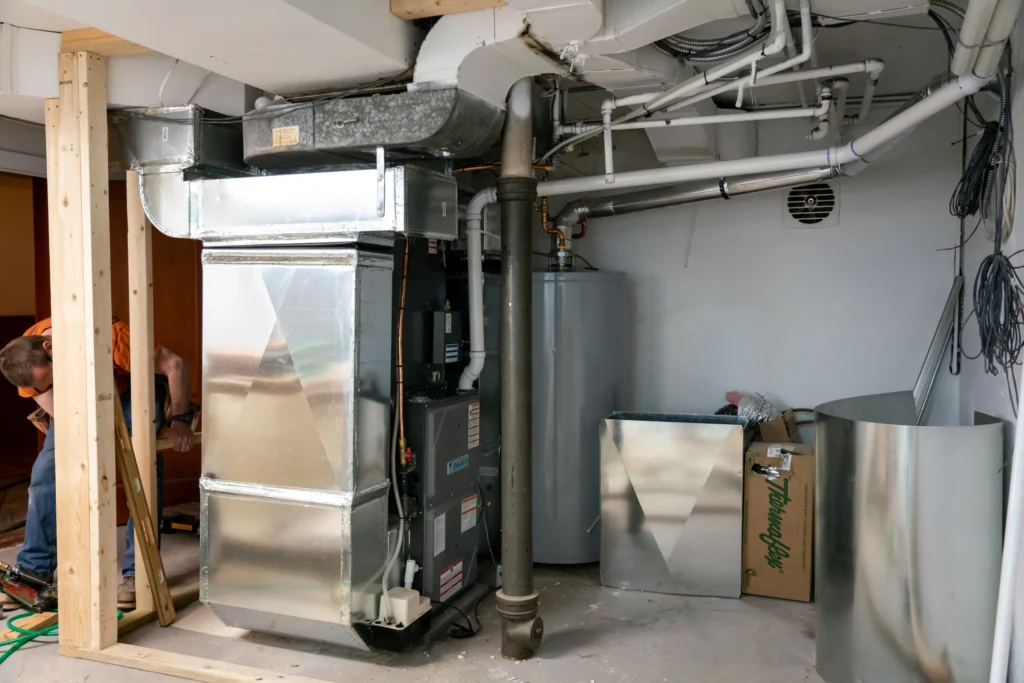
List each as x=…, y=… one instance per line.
x=27, y=363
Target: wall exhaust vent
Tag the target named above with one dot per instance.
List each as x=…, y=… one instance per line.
x=812, y=206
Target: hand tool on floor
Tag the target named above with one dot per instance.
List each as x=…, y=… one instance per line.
x=28, y=588
x=145, y=531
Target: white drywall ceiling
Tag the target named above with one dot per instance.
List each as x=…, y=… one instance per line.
x=281, y=46
x=26, y=15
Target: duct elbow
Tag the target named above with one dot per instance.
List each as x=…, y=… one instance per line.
x=165, y=199
x=573, y=213
x=874, y=68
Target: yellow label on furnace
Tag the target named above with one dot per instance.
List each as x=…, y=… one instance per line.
x=285, y=137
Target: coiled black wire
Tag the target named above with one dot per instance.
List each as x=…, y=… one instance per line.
x=967, y=197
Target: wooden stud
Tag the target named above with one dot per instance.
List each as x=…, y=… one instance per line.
x=145, y=527
x=82, y=360
x=183, y=666
x=100, y=43
x=142, y=343
x=419, y=9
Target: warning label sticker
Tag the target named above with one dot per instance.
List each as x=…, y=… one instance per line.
x=431, y=246
x=469, y=506
x=474, y=424
x=439, y=534
x=451, y=580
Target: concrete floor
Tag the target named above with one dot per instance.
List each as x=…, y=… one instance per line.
x=593, y=635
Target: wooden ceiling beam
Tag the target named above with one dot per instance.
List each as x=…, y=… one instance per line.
x=420, y=9
x=100, y=43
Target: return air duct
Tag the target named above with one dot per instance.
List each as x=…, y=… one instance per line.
x=448, y=122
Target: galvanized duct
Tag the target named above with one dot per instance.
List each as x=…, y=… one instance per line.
x=447, y=122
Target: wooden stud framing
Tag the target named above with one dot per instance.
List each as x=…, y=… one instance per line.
x=84, y=392
x=419, y=9
x=100, y=43
x=140, y=317
x=82, y=362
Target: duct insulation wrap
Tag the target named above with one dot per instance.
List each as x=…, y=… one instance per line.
x=908, y=538
x=296, y=391
x=336, y=131
x=580, y=346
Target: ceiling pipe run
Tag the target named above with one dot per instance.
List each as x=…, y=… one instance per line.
x=854, y=153
x=728, y=188
x=724, y=188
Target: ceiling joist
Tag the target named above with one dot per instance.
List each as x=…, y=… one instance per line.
x=420, y=9
x=100, y=43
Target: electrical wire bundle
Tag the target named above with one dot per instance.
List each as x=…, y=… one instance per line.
x=704, y=50
x=990, y=181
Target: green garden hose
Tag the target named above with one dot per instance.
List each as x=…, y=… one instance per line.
x=11, y=646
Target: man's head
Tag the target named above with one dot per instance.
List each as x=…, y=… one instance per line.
x=27, y=362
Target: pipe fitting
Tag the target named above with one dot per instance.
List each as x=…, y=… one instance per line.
x=547, y=228
x=521, y=628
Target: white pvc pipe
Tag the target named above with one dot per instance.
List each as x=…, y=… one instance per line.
x=609, y=149
x=701, y=81
x=952, y=92
x=772, y=75
x=1003, y=19
x=869, y=96
x=769, y=115
x=842, y=86
x=972, y=35
x=474, y=262
x=1011, y=555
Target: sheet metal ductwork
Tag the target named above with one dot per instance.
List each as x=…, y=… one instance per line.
x=448, y=122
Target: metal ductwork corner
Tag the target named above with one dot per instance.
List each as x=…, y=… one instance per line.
x=187, y=139
x=446, y=122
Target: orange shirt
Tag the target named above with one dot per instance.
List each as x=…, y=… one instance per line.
x=121, y=349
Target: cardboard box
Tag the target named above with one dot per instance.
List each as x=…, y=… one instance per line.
x=781, y=430
x=778, y=521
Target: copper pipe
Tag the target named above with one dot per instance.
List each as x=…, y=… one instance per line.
x=489, y=167
x=401, y=376
x=583, y=230
x=546, y=227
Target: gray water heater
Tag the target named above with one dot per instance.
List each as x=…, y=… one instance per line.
x=580, y=341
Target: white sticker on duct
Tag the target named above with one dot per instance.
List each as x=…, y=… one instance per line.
x=774, y=451
x=439, y=534
x=787, y=460
x=447, y=323
x=469, y=507
x=165, y=133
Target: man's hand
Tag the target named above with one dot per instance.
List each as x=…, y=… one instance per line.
x=181, y=436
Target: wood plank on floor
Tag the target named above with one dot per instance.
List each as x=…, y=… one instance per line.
x=182, y=666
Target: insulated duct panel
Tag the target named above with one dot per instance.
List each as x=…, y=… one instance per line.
x=446, y=122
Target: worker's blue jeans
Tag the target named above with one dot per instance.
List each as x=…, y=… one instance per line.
x=39, y=554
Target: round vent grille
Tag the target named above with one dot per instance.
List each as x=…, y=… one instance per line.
x=811, y=204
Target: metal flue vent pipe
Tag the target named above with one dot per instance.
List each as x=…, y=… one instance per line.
x=724, y=188
x=521, y=628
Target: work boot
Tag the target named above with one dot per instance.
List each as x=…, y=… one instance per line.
x=126, y=593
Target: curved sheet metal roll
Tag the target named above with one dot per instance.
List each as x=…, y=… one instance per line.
x=907, y=545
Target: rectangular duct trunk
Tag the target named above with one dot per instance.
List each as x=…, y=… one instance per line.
x=296, y=391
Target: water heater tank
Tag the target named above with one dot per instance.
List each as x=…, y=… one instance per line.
x=580, y=340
